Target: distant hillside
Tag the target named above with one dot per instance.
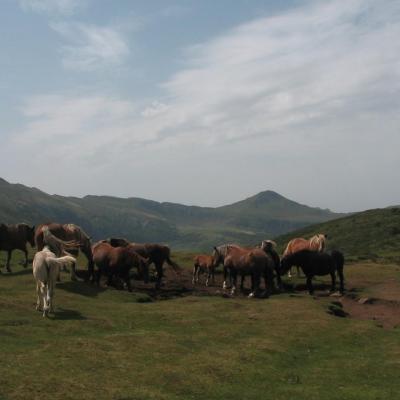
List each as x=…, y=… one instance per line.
x=264, y=215
x=372, y=234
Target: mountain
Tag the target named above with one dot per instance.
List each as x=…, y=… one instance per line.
x=264, y=215
x=368, y=235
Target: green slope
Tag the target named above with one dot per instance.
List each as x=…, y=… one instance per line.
x=264, y=215
x=372, y=234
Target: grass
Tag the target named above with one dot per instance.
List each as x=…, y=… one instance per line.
x=106, y=344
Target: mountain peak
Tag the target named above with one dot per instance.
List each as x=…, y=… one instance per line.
x=267, y=195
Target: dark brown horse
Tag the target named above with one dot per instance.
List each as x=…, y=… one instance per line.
x=67, y=233
x=252, y=262
x=15, y=237
x=118, y=261
x=157, y=254
x=316, y=263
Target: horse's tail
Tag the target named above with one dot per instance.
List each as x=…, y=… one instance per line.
x=174, y=265
x=60, y=261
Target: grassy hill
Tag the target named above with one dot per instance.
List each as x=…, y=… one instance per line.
x=372, y=234
x=264, y=215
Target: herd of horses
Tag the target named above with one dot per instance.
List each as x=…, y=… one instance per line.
x=59, y=244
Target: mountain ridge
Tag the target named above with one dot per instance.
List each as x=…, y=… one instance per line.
x=266, y=214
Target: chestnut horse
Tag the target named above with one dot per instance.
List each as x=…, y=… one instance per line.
x=15, y=237
x=68, y=233
x=316, y=243
x=252, y=262
x=118, y=261
x=203, y=263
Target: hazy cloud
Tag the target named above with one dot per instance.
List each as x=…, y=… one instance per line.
x=91, y=47
x=52, y=7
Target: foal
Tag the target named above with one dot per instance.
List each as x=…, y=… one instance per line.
x=204, y=263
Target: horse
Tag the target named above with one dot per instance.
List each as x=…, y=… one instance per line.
x=218, y=255
x=315, y=263
x=157, y=254
x=205, y=263
x=118, y=261
x=316, y=243
x=69, y=232
x=252, y=262
x=15, y=237
x=45, y=268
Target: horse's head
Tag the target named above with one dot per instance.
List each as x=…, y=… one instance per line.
x=268, y=245
x=286, y=263
x=217, y=257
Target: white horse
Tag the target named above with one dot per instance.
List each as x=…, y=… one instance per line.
x=46, y=267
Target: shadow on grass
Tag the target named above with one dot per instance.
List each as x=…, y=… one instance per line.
x=65, y=314
x=26, y=271
x=82, y=288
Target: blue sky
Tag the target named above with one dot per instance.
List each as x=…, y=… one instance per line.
x=203, y=102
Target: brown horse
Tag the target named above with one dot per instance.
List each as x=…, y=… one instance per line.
x=118, y=261
x=67, y=233
x=15, y=237
x=316, y=243
x=252, y=262
x=203, y=263
x=157, y=254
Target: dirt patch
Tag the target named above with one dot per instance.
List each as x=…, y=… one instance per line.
x=386, y=313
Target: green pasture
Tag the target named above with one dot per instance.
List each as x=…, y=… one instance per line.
x=109, y=344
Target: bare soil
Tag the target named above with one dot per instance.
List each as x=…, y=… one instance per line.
x=383, y=307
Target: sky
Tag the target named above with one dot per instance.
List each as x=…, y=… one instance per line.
x=203, y=102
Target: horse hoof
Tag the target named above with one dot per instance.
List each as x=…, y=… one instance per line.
x=251, y=295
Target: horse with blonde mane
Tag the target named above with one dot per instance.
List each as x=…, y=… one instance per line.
x=316, y=243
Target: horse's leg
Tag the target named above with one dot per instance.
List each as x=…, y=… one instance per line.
x=208, y=276
x=225, y=286
x=43, y=291
x=128, y=281
x=289, y=274
x=309, y=285
x=8, y=260
x=333, y=279
x=242, y=278
x=341, y=278
x=38, y=303
x=213, y=276
x=298, y=271
x=73, y=272
x=194, y=274
x=160, y=274
x=233, y=274
x=278, y=278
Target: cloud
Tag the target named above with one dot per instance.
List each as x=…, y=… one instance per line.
x=52, y=7
x=91, y=47
x=305, y=102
